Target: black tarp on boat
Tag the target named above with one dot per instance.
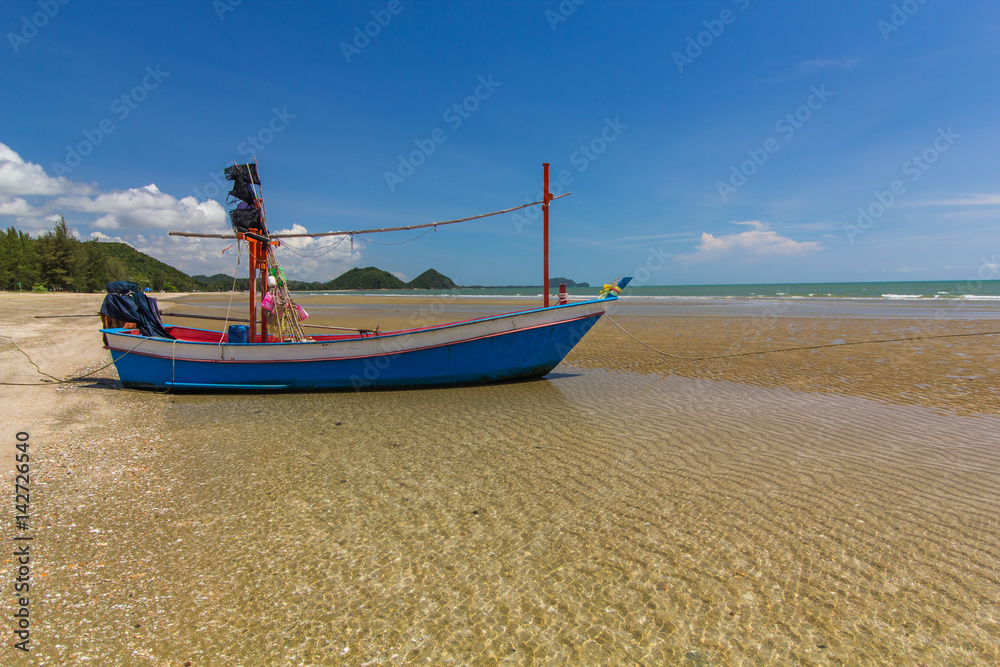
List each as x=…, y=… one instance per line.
x=125, y=302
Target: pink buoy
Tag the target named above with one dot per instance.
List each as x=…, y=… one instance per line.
x=267, y=303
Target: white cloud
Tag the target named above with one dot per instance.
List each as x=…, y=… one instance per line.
x=15, y=206
x=32, y=196
x=812, y=226
x=148, y=208
x=316, y=259
x=98, y=236
x=759, y=241
x=139, y=216
x=307, y=259
x=18, y=177
x=981, y=199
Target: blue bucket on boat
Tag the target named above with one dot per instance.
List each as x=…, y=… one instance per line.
x=238, y=333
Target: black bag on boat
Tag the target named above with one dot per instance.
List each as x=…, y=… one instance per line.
x=246, y=172
x=242, y=175
x=245, y=219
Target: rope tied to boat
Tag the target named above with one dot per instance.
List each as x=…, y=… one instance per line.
x=354, y=232
x=798, y=348
x=55, y=380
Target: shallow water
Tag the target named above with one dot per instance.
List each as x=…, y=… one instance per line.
x=589, y=518
x=448, y=307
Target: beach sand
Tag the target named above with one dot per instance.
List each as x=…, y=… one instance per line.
x=830, y=506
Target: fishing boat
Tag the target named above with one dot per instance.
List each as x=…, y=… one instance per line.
x=276, y=353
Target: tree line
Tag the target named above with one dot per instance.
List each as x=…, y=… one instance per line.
x=58, y=262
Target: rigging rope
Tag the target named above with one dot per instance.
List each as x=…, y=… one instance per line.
x=418, y=236
x=353, y=232
x=327, y=248
x=409, y=227
x=793, y=349
x=232, y=292
x=55, y=380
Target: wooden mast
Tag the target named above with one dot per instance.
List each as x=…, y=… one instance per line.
x=262, y=251
x=252, y=270
x=545, y=217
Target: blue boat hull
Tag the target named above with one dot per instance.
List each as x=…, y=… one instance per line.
x=504, y=356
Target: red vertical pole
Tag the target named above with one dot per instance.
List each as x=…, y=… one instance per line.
x=263, y=291
x=252, y=244
x=545, y=216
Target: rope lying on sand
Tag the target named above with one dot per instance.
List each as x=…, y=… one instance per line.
x=793, y=349
x=55, y=380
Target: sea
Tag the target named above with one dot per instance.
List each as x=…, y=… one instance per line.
x=952, y=299
x=890, y=290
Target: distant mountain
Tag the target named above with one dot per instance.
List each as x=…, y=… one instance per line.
x=220, y=282
x=217, y=278
x=431, y=279
x=555, y=282
x=366, y=278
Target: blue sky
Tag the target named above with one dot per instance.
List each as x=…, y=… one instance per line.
x=731, y=141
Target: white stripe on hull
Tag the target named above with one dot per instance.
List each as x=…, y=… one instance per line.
x=371, y=346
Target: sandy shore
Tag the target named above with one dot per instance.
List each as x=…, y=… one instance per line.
x=634, y=508
x=62, y=345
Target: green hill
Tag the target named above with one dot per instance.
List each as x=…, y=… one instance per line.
x=431, y=279
x=366, y=278
x=555, y=282
x=134, y=266
x=216, y=278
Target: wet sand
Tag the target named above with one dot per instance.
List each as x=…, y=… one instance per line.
x=835, y=506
